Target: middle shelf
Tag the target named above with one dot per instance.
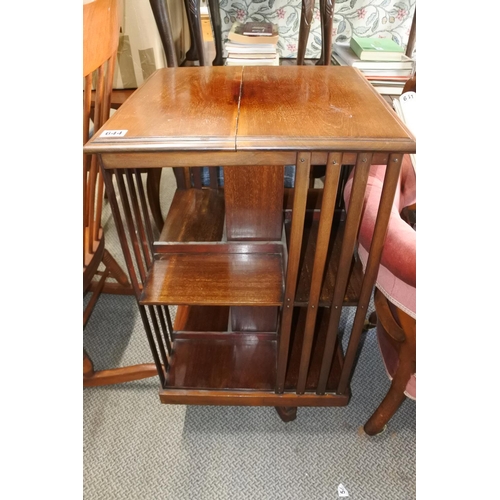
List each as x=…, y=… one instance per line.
x=216, y=274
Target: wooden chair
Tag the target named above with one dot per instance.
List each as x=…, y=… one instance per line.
x=100, y=44
x=395, y=289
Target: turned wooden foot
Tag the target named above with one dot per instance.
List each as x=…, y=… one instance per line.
x=287, y=413
x=378, y=421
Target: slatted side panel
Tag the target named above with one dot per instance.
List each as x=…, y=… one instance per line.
x=134, y=223
x=387, y=197
x=334, y=183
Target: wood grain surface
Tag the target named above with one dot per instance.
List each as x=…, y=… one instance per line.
x=314, y=108
x=215, y=279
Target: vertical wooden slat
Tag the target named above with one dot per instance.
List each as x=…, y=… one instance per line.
x=298, y=215
x=139, y=219
x=152, y=345
x=196, y=172
x=87, y=104
x=159, y=338
x=160, y=311
x=117, y=217
x=93, y=228
x=105, y=108
x=130, y=225
x=361, y=172
x=145, y=210
x=214, y=181
x=372, y=266
x=334, y=163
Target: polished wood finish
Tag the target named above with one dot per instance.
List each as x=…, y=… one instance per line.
x=412, y=38
x=201, y=319
x=254, y=212
x=195, y=215
x=254, y=109
x=327, y=8
x=254, y=203
x=306, y=13
x=100, y=44
x=252, y=121
x=162, y=19
x=355, y=276
x=400, y=328
x=215, y=279
x=314, y=108
x=217, y=28
x=224, y=362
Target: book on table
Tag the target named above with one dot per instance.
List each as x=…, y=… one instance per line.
x=254, y=28
x=263, y=55
x=388, y=89
x=235, y=61
x=343, y=54
x=237, y=34
x=242, y=48
x=376, y=49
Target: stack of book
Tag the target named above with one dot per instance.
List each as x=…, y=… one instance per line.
x=381, y=60
x=252, y=44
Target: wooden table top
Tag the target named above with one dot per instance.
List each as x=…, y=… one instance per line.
x=219, y=108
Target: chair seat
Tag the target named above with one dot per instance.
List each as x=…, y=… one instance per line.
x=397, y=273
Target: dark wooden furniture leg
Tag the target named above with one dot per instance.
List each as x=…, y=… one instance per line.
x=305, y=28
x=412, y=39
x=192, y=53
x=93, y=378
x=160, y=14
x=326, y=13
x=214, y=7
x=194, y=19
x=287, y=413
x=404, y=337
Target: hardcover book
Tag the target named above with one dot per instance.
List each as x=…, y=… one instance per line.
x=258, y=29
x=236, y=34
x=376, y=49
x=345, y=56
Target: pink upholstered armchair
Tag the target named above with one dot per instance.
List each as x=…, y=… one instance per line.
x=395, y=288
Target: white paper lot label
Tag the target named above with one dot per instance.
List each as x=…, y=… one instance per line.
x=113, y=133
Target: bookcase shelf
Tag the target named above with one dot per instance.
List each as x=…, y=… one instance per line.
x=214, y=279
x=258, y=307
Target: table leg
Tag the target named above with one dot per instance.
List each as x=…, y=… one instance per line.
x=160, y=14
x=217, y=29
x=287, y=413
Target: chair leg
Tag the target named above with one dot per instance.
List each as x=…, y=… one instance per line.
x=305, y=28
x=395, y=396
x=115, y=271
x=119, y=375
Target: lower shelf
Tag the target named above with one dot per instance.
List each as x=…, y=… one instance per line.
x=225, y=368
x=223, y=361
